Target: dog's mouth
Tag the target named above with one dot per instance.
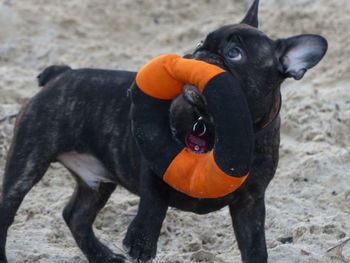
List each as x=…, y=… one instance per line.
x=217, y=61
x=210, y=58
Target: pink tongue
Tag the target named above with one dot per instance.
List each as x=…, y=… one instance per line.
x=195, y=142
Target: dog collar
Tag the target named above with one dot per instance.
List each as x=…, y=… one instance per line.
x=264, y=128
x=210, y=175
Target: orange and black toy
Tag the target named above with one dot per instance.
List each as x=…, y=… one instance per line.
x=209, y=175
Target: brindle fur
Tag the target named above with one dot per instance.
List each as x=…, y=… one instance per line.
x=87, y=111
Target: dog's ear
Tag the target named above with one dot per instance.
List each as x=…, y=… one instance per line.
x=299, y=53
x=251, y=18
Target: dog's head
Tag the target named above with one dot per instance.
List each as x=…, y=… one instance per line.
x=258, y=62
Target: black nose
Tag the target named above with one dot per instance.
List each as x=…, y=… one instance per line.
x=188, y=56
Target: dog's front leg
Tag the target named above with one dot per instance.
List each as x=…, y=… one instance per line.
x=143, y=232
x=248, y=210
x=248, y=221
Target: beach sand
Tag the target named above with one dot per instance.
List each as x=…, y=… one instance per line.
x=307, y=203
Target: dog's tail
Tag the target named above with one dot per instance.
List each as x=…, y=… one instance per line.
x=50, y=73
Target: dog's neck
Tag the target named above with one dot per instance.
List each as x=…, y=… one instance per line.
x=265, y=124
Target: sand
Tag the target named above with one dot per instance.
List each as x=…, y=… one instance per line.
x=308, y=202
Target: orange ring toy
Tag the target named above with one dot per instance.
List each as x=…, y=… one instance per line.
x=210, y=175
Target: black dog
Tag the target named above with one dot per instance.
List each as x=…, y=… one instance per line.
x=81, y=119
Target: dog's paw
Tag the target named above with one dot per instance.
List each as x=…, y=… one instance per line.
x=139, y=246
x=106, y=256
x=116, y=258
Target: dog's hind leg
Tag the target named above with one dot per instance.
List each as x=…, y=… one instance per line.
x=25, y=167
x=80, y=214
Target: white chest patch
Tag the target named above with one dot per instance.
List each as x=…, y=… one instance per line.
x=87, y=167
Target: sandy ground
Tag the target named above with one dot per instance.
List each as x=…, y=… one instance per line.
x=308, y=202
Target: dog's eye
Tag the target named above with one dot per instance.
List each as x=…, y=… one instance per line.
x=234, y=54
